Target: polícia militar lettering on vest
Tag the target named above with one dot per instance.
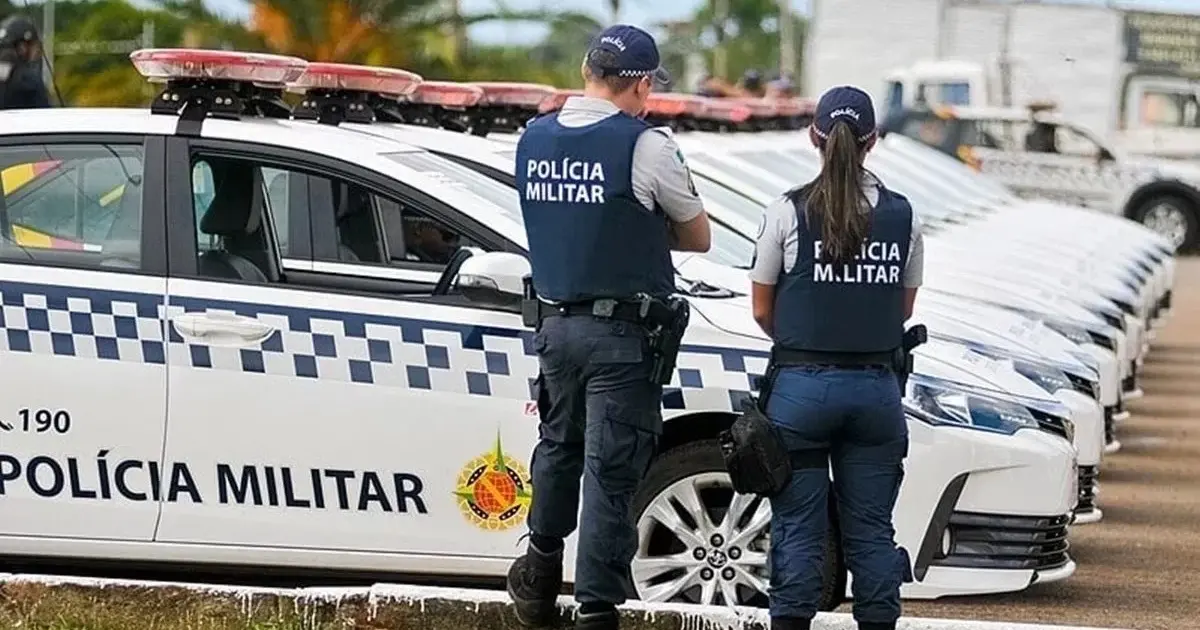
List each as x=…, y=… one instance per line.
x=568, y=180
x=877, y=262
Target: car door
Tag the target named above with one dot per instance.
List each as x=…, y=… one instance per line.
x=82, y=287
x=323, y=412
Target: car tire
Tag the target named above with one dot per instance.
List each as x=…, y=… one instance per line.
x=699, y=465
x=1148, y=214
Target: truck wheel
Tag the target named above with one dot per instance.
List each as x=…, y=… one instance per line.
x=1173, y=217
x=701, y=543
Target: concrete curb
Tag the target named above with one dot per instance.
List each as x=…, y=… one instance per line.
x=384, y=606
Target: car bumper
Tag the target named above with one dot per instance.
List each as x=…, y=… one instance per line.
x=997, y=509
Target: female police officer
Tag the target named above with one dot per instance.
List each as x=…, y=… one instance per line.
x=837, y=266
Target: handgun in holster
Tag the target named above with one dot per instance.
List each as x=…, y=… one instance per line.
x=667, y=320
x=531, y=312
x=903, y=366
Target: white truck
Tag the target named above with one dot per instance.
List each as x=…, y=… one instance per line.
x=1132, y=77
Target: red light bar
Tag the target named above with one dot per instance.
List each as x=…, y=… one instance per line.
x=726, y=109
x=555, y=102
x=516, y=94
x=759, y=108
x=791, y=107
x=446, y=94
x=674, y=104
x=340, y=76
x=163, y=64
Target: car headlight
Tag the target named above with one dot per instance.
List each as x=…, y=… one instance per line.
x=939, y=405
x=1048, y=378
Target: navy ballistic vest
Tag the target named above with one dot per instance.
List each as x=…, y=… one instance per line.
x=854, y=307
x=589, y=237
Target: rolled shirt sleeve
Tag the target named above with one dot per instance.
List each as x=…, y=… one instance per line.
x=769, y=247
x=914, y=267
x=661, y=176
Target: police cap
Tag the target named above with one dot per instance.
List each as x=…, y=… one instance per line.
x=16, y=29
x=634, y=53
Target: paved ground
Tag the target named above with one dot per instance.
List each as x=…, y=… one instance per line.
x=1140, y=566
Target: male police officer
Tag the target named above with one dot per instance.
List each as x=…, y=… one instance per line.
x=21, y=84
x=605, y=197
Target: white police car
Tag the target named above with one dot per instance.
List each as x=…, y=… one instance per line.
x=181, y=396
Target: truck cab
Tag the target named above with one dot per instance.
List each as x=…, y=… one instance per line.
x=932, y=83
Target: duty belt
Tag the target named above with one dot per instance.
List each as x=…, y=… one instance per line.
x=786, y=357
x=628, y=311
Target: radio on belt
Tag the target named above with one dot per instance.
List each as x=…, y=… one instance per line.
x=218, y=83
x=336, y=92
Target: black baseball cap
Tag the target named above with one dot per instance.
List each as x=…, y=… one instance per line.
x=846, y=104
x=635, y=51
x=16, y=29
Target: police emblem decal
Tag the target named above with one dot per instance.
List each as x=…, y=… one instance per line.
x=494, y=491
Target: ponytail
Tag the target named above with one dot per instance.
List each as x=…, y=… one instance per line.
x=835, y=198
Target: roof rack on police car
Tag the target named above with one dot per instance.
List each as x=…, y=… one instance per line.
x=441, y=104
x=337, y=92
x=218, y=83
x=507, y=106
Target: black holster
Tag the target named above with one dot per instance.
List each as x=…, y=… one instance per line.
x=903, y=364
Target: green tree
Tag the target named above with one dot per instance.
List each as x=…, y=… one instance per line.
x=750, y=34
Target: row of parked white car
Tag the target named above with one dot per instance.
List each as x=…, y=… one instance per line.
x=1039, y=317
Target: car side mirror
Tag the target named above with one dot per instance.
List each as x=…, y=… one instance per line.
x=494, y=280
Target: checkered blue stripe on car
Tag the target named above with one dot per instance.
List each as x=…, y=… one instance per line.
x=321, y=344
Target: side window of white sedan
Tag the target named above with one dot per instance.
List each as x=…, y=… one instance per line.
x=74, y=204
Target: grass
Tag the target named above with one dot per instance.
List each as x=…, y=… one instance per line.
x=28, y=605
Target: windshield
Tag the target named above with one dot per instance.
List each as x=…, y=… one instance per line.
x=728, y=199
x=454, y=174
x=769, y=185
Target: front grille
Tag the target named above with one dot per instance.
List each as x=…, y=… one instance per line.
x=1108, y=343
x=1130, y=383
x=986, y=541
x=1087, y=489
x=1115, y=321
x=1091, y=389
x=1110, y=425
x=1054, y=424
x=1125, y=307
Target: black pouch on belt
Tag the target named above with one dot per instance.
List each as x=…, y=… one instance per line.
x=755, y=455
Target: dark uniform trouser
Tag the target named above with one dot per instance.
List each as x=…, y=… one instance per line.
x=601, y=418
x=850, y=419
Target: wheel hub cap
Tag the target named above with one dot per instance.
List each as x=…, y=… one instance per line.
x=698, y=542
x=1167, y=220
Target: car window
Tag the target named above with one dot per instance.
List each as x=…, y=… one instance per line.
x=450, y=172
x=1074, y=143
x=83, y=198
x=233, y=231
x=988, y=134
x=413, y=235
x=1169, y=109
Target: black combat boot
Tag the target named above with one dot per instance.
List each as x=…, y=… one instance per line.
x=790, y=623
x=597, y=617
x=534, y=582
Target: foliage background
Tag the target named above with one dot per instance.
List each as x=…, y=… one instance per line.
x=424, y=36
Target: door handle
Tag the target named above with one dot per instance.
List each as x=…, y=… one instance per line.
x=222, y=329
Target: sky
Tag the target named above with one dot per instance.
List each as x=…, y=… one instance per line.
x=643, y=12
